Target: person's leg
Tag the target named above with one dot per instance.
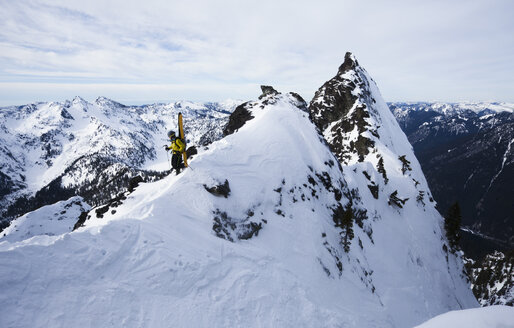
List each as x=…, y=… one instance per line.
x=179, y=163
x=176, y=162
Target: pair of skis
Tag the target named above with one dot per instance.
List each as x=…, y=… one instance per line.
x=183, y=137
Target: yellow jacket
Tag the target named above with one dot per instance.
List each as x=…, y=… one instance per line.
x=177, y=145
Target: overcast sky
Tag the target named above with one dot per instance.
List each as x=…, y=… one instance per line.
x=163, y=50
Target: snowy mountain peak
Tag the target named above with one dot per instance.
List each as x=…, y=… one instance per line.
x=78, y=99
x=106, y=102
x=379, y=160
x=269, y=96
x=362, y=132
x=402, y=110
x=353, y=117
x=270, y=226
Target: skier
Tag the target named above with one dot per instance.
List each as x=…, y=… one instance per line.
x=177, y=146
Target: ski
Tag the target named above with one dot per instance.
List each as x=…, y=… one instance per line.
x=183, y=137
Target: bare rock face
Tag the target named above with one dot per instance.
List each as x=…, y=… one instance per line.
x=243, y=112
x=221, y=189
x=268, y=91
x=493, y=283
x=342, y=105
x=237, y=119
x=299, y=102
x=334, y=99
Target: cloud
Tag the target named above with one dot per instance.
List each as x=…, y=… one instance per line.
x=16, y=93
x=233, y=43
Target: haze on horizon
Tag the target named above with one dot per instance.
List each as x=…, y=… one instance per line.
x=143, y=52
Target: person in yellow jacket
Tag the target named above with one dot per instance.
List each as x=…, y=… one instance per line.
x=177, y=147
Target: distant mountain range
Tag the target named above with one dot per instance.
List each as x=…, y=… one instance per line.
x=466, y=151
x=52, y=151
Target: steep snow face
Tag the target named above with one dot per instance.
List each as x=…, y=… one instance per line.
x=66, y=147
x=246, y=237
x=407, y=229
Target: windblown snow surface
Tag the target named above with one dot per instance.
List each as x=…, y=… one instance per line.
x=155, y=261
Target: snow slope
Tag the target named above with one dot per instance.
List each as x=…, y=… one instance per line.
x=487, y=317
x=164, y=256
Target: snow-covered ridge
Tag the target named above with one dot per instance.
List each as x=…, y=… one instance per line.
x=159, y=254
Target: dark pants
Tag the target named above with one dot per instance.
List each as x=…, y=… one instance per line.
x=176, y=162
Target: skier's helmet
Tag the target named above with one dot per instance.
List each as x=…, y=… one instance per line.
x=171, y=134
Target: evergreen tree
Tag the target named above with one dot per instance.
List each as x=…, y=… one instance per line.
x=343, y=218
x=395, y=200
x=452, y=225
x=381, y=169
x=405, y=164
x=421, y=196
